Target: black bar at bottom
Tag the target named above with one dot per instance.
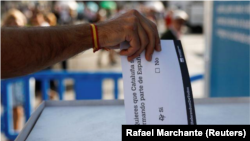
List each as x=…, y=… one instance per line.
x=200, y=131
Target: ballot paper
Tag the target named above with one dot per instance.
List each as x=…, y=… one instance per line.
x=158, y=92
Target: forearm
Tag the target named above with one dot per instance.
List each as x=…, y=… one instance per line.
x=27, y=50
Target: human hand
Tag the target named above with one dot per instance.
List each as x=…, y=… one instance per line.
x=131, y=26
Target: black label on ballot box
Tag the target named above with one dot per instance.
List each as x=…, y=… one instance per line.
x=158, y=92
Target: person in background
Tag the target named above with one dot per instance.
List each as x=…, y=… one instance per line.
x=178, y=20
x=15, y=18
x=51, y=19
x=168, y=19
x=40, y=19
x=65, y=17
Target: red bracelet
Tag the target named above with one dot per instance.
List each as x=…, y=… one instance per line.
x=95, y=39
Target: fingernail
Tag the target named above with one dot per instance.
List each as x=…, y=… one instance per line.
x=159, y=47
x=150, y=58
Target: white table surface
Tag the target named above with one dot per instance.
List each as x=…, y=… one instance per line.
x=59, y=122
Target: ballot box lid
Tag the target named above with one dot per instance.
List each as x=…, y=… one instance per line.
x=102, y=119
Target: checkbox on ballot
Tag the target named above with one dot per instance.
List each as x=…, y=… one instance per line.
x=157, y=70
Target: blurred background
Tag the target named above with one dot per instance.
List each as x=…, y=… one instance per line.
x=215, y=37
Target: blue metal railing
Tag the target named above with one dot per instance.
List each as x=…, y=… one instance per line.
x=87, y=86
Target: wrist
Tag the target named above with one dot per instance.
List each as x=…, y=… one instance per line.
x=102, y=35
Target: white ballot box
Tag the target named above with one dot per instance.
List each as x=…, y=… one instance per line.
x=102, y=119
x=159, y=91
